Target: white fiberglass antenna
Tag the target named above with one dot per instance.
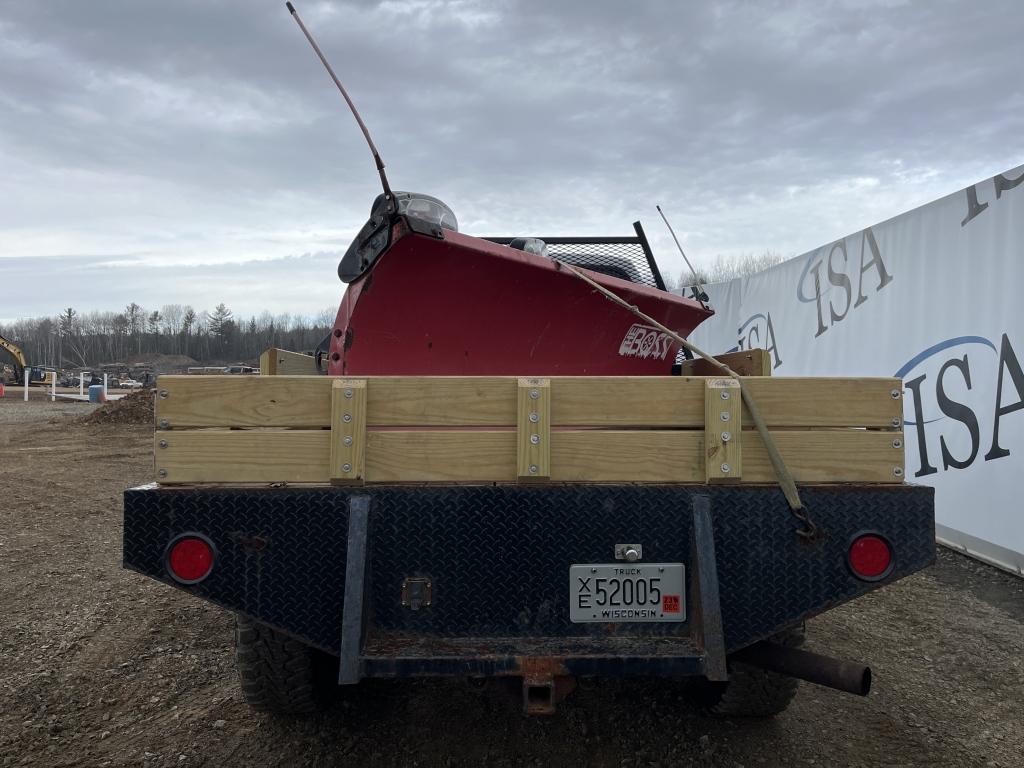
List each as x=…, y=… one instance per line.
x=355, y=113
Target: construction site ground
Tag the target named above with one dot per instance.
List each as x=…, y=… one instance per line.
x=102, y=667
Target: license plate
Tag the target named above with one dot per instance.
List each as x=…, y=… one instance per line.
x=626, y=592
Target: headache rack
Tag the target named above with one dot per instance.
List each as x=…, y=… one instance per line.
x=628, y=258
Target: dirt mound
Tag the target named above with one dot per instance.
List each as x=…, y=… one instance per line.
x=136, y=408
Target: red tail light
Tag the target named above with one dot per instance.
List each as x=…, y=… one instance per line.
x=870, y=557
x=190, y=558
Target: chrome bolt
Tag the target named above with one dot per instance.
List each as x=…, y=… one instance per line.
x=535, y=439
x=164, y=424
x=897, y=471
x=895, y=394
x=164, y=394
x=533, y=469
x=725, y=395
x=347, y=440
x=346, y=467
x=162, y=473
x=163, y=443
x=534, y=394
x=726, y=437
x=593, y=570
x=347, y=418
x=534, y=417
x=725, y=415
x=896, y=421
x=631, y=555
x=348, y=393
x=897, y=443
x=726, y=468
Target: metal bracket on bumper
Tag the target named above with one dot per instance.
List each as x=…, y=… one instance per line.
x=706, y=609
x=353, y=611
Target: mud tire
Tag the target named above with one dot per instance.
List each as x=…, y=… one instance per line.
x=752, y=691
x=280, y=675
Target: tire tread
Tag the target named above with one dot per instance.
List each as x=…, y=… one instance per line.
x=277, y=674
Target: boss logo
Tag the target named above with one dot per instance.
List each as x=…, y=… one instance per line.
x=833, y=306
x=645, y=342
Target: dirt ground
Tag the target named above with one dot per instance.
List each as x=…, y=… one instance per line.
x=102, y=667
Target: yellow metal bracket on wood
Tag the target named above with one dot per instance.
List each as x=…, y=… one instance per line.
x=348, y=431
x=723, y=412
x=533, y=430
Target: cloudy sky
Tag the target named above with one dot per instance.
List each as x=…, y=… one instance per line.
x=196, y=152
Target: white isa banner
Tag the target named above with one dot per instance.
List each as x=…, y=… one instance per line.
x=934, y=296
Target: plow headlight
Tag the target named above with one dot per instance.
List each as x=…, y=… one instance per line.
x=426, y=208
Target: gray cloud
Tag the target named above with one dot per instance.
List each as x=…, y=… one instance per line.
x=192, y=134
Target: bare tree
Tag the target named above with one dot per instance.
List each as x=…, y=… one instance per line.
x=94, y=338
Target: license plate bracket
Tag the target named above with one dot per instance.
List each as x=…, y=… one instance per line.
x=626, y=592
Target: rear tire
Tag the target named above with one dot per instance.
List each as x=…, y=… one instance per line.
x=752, y=691
x=279, y=674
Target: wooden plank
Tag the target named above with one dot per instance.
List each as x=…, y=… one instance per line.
x=484, y=456
x=650, y=401
x=268, y=362
x=664, y=401
x=723, y=456
x=441, y=457
x=244, y=401
x=844, y=456
x=827, y=456
x=251, y=456
x=281, y=362
x=348, y=431
x=745, y=362
x=305, y=401
x=627, y=456
x=443, y=401
x=533, y=429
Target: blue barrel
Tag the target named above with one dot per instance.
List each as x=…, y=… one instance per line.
x=96, y=394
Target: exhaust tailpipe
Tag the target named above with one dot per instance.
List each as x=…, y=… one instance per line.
x=846, y=676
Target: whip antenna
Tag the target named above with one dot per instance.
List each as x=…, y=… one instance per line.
x=344, y=93
x=698, y=290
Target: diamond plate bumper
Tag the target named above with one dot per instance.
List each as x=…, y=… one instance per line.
x=498, y=558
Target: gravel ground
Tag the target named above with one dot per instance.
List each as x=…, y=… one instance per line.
x=15, y=410
x=102, y=667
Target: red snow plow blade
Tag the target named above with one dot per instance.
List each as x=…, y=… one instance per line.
x=437, y=302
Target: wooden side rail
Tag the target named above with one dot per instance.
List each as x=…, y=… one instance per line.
x=503, y=429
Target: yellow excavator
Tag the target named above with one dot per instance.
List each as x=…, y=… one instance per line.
x=15, y=374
